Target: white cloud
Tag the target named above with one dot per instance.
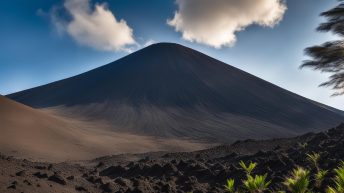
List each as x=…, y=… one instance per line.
x=215, y=22
x=94, y=26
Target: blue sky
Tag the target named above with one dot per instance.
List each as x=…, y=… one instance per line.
x=35, y=52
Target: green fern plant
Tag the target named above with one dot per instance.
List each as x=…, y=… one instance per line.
x=338, y=180
x=299, y=181
x=253, y=184
x=302, y=145
x=314, y=159
x=319, y=177
x=331, y=190
x=256, y=184
x=230, y=186
x=248, y=169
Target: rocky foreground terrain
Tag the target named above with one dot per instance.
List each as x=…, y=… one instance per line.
x=200, y=171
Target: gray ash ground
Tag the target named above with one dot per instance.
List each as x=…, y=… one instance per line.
x=197, y=172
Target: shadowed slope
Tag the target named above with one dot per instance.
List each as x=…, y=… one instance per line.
x=168, y=90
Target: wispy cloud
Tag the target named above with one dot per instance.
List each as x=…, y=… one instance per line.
x=215, y=22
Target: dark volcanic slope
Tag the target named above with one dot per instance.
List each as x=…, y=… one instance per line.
x=168, y=90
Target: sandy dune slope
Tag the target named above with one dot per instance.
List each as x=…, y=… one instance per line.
x=39, y=135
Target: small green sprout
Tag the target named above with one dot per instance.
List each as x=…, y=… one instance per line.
x=248, y=169
x=314, y=159
x=230, y=185
x=319, y=177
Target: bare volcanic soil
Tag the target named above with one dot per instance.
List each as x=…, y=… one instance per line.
x=37, y=135
x=200, y=171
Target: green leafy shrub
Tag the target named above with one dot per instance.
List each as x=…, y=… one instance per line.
x=300, y=180
x=230, y=185
x=319, y=177
x=338, y=180
x=256, y=184
x=248, y=169
x=314, y=159
x=252, y=184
